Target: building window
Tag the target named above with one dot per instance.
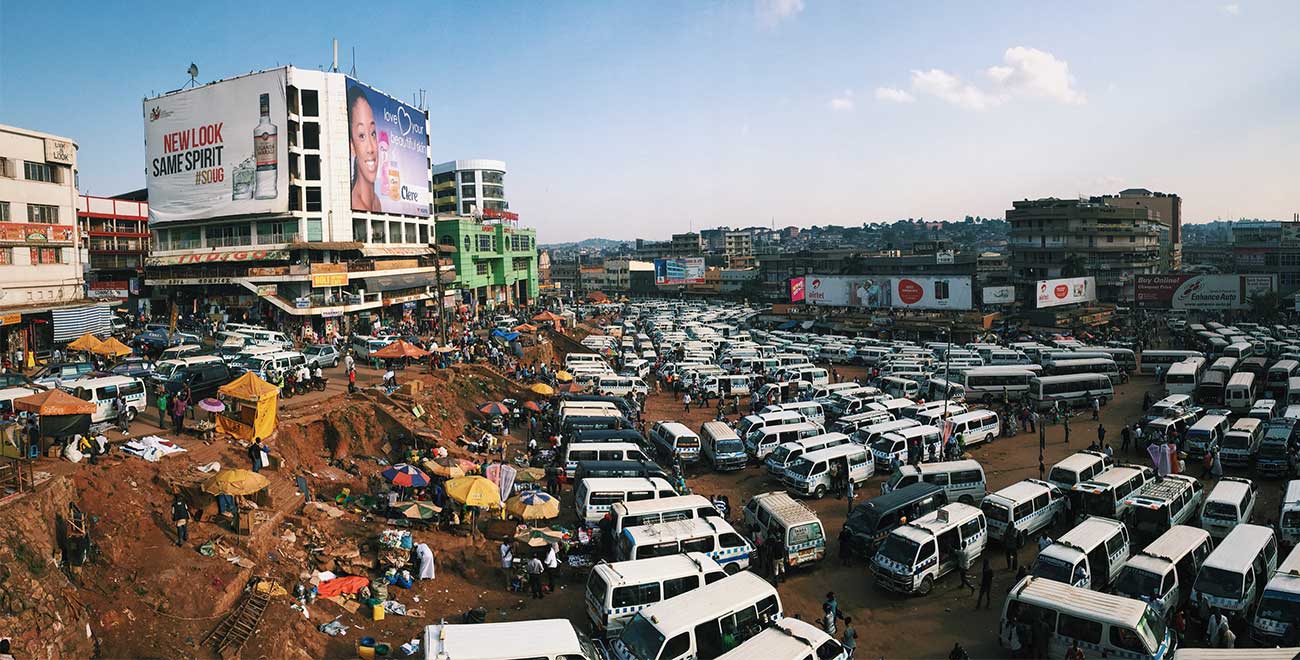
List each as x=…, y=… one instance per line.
x=43, y=213
x=466, y=208
x=230, y=235
x=312, y=170
x=484, y=242
x=7, y=168
x=47, y=255
x=444, y=177
x=377, y=231
x=315, y=232
x=424, y=234
x=313, y=199
x=394, y=232
x=482, y=268
x=467, y=177
x=310, y=103
x=467, y=192
x=39, y=172
x=491, y=176
x=4, y=211
x=410, y=232
x=277, y=232
x=519, y=263
x=494, y=191
x=359, y=230
x=6, y=256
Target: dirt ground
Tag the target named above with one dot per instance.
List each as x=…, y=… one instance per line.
x=154, y=599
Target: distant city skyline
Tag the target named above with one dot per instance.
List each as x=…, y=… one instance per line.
x=642, y=120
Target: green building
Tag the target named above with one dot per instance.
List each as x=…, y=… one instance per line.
x=496, y=260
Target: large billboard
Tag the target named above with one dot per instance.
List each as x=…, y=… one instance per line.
x=217, y=150
x=1066, y=291
x=999, y=295
x=689, y=270
x=388, y=148
x=1201, y=292
x=796, y=289
x=897, y=292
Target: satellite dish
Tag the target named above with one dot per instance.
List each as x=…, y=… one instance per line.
x=193, y=70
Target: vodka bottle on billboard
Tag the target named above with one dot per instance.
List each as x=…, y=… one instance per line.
x=265, y=152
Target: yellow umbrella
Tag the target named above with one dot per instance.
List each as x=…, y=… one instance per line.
x=445, y=467
x=86, y=342
x=112, y=347
x=542, y=389
x=235, y=482
x=474, y=491
x=563, y=376
x=533, y=505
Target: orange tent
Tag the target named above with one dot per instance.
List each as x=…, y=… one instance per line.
x=596, y=297
x=253, y=410
x=400, y=349
x=525, y=327
x=548, y=316
x=112, y=347
x=54, y=402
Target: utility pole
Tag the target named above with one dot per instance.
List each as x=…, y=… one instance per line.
x=442, y=311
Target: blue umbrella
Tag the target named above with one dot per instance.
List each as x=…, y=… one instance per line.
x=407, y=476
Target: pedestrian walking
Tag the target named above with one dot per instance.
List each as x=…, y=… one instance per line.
x=1096, y=408
x=1101, y=435
x=181, y=517
x=846, y=545
x=686, y=402
x=1067, y=431
x=1125, y=438
x=830, y=612
x=507, y=562
x=162, y=409
x=1011, y=546
x=964, y=574
x=986, y=585
x=850, y=639
x=535, y=570
x=552, y=565
x=1032, y=419
x=177, y=408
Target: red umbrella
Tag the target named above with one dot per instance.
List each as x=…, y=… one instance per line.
x=533, y=406
x=569, y=387
x=494, y=408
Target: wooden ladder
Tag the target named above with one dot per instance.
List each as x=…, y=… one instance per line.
x=238, y=626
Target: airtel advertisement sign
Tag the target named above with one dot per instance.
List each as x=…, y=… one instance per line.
x=931, y=293
x=1068, y=291
x=896, y=292
x=1201, y=292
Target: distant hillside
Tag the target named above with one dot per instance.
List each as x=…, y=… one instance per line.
x=585, y=244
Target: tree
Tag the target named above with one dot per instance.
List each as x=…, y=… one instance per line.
x=1264, y=307
x=1075, y=266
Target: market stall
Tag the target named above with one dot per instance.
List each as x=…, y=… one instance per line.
x=252, y=412
x=59, y=414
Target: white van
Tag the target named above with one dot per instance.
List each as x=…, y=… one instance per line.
x=619, y=590
x=765, y=440
x=1227, y=506
x=540, y=639
x=811, y=475
x=596, y=496
x=599, y=451
x=787, y=452
x=1241, y=442
x=851, y=424
x=750, y=423
x=271, y=338
x=1107, y=625
x=1163, y=572
x=711, y=535
x=902, y=388
x=1279, y=606
x=1206, y=435
x=963, y=481
x=894, y=407
x=738, y=607
x=9, y=394
x=811, y=410
x=579, y=359
x=1239, y=395
x=1088, y=556
x=1233, y=576
x=675, y=439
x=914, y=556
x=1163, y=504
x=892, y=447
x=104, y=391
x=1288, y=519
x=1106, y=494
x=1079, y=467
x=1028, y=505
x=788, y=639
x=937, y=415
x=916, y=410
x=777, y=515
x=663, y=509
x=726, y=386
x=868, y=435
x=721, y=447
x=621, y=386
x=976, y=426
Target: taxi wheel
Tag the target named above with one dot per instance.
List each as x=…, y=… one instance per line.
x=130, y=415
x=927, y=585
x=820, y=492
x=966, y=499
x=731, y=569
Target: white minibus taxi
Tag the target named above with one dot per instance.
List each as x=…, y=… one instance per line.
x=914, y=556
x=811, y=410
x=1233, y=576
x=1079, y=467
x=761, y=442
x=1163, y=504
x=663, y=509
x=1241, y=442
x=813, y=474
x=786, y=453
x=788, y=639
x=777, y=515
x=868, y=435
x=1228, y=505
x=1028, y=505
x=903, y=388
x=963, y=481
x=750, y=423
x=619, y=590
x=736, y=608
x=990, y=384
x=1107, y=625
x=540, y=639
x=1206, y=435
x=675, y=439
x=1288, y=519
x=974, y=427
x=104, y=391
x=711, y=535
x=1278, y=613
x=1089, y=556
x=937, y=415
x=575, y=452
x=1106, y=494
x=596, y=496
x=891, y=448
x=1163, y=572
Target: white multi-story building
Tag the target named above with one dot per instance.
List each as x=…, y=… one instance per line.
x=42, y=299
x=470, y=187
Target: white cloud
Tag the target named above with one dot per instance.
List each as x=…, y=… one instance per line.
x=943, y=85
x=1231, y=9
x=1024, y=73
x=771, y=12
x=843, y=102
x=894, y=95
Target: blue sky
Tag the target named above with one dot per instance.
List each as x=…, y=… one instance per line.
x=632, y=119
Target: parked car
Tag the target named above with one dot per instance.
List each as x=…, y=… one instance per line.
x=63, y=373
x=135, y=367
x=322, y=355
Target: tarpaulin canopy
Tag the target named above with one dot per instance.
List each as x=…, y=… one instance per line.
x=400, y=349
x=71, y=322
x=54, y=402
x=253, y=413
x=508, y=336
x=525, y=327
x=547, y=316
x=113, y=347
x=86, y=342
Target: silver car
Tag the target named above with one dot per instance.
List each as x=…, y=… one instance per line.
x=322, y=355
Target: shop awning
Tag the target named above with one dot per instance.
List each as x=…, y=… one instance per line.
x=377, y=251
x=72, y=322
x=396, y=282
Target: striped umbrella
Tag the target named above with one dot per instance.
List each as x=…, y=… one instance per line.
x=533, y=406
x=419, y=510
x=533, y=505
x=494, y=408
x=407, y=476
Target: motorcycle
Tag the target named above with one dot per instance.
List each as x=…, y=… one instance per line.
x=318, y=384
x=286, y=389
x=297, y=386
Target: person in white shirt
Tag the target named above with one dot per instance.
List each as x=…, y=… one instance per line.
x=552, y=565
